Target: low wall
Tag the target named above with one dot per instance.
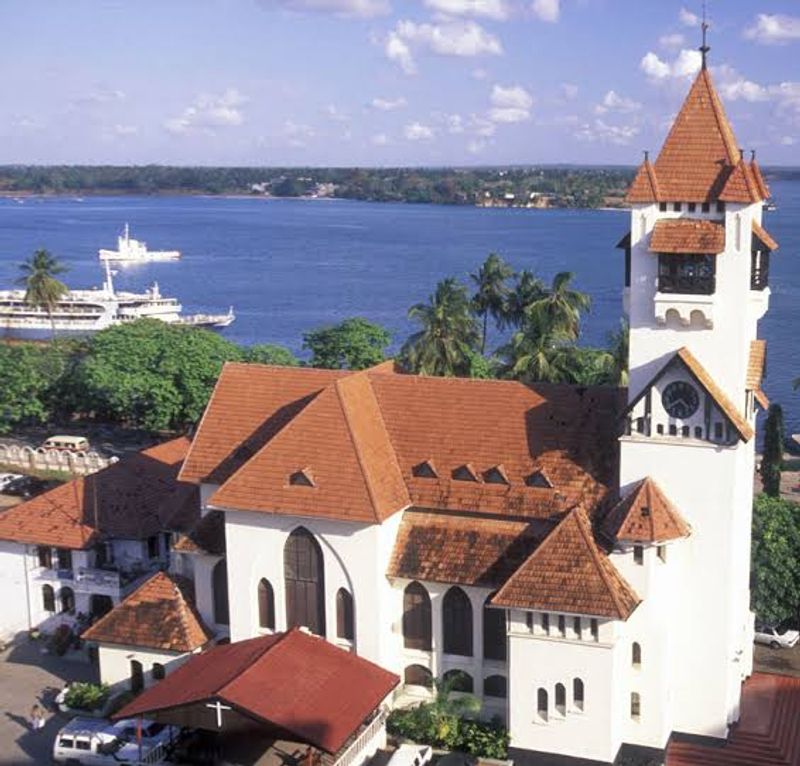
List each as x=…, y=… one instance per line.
x=76, y=463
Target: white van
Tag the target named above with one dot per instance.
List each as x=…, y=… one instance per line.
x=63, y=443
x=93, y=742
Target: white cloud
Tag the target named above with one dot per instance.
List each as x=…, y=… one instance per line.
x=787, y=141
x=601, y=131
x=388, y=104
x=687, y=18
x=362, y=8
x=125, y=130
x=546, y=10
x=477, y=145
x=332, y=112
x=208, y=112
x=481, y=126
x=416, y=131
x=774, y=29
x=672, y=42
x=297, y=134
x=686, y=64
x=569, y=91
x=511, y=104
x=397, y=50
x=455, y=123
x=479, y=74
x=613, y=102
x=490, y=9
x=380, y=139
x=735, y=87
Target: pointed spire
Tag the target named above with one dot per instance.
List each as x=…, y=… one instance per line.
x=704, y=48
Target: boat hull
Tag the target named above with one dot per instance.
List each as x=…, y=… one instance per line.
x=117, y=257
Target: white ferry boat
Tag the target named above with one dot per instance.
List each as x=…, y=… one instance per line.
x=82, y=312
x=135, y=251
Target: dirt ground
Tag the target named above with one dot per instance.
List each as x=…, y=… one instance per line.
x=785, y=662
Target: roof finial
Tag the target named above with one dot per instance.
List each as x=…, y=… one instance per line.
x=752, y=155
x=704, y=48
x=741, y=155
x=646, y=155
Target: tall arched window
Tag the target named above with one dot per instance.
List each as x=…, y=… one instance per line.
x=266, y=605
x=137, y=676
x=561, y=699
x=577, y=693
x=457, y=619
x=304, y=572
x=494, y=632
x=416, y=618
x=418, y=675
x=48, y=598
x=636, y=655
x=345, y=624
x=219, y=584
x=541, y=704
x=67, y=596
x=636, y=706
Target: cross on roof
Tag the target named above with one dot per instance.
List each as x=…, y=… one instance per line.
x=219, y=707
x=704, y=48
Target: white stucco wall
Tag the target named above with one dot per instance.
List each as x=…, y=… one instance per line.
x=15, y=615
x=115, y=664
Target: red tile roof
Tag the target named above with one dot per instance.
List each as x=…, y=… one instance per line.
x=362, y=435
x=741, y=185
x=644, y=187
x=569, y=573
x=759, y=176
x=687, y=235
x=323, y=693
x=206, y=536
x=480, y=551
x=133, y=499
x=159, y=614
x=645, y=515
x=764, y=237
x=756, y=365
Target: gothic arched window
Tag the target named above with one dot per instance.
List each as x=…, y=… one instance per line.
x=219, y=583
x=266, y=605
x=416, y=618
x=577, y=693
x=494, y=632
x=345, y=627
x=48, y=598
x=418, y=675
x=304, y=573
x=67, y=596
x=457, y=619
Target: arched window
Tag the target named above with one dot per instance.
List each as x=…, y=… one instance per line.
x=344, y=615
x=219, y=579
x=416, y=618
x=67, y=596
x=418, y=675
x=137, y=676
x=494, y=632
x=636, y=705
x=636, y=655
x=561, y=699
x=304, y=572
x=158, y=671
x=266, y=605
x=45, y=556
x=458, y=681
x=577, y=693
x=495, y=686
x=48, y=598
x=541, y=704
x=457, y=619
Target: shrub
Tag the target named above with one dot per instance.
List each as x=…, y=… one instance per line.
x=84, y=696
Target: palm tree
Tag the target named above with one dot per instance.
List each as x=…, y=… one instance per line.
x=449, y=333
x=559, y=310
x=538, y=352
x=490, y=298
x=527, y=290
x=618, y=349
x=42, y=289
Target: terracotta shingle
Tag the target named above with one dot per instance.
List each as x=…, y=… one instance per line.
x=326, y=693
x=756, y=364
x=159, y=614
x=479, y=551
x=206, y=536
x=688, y=235
x=644, y=188
x=759, y=177
x=645, y=515
x=740, y=185
x=569, y=573
x=133, y=499
x=763, y=237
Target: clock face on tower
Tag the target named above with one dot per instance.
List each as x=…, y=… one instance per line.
x=680, y=399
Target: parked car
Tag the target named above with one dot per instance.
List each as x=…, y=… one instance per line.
x=25, y=486
x=7, y=478
x=411, y=755
x=777, y=638
x=152, y=732
x=95, y=741
x=65, y=443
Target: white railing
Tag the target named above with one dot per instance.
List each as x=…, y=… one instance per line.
x=363, y=746
x=80, y=463
x=91, y=579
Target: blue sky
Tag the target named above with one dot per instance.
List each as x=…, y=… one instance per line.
x=383, y=82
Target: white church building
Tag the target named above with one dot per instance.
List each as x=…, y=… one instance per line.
x=580, y=555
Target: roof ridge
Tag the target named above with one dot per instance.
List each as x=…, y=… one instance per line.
x=647, y=485
x=268, y=646
x=723, y=123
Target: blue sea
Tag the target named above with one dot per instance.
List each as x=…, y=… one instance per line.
x=288, y=266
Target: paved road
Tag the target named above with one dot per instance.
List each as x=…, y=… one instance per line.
x=26, y=676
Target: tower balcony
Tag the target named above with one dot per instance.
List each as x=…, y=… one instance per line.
x=689, y=309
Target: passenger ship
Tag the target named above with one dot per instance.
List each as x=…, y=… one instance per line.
x=82, y=312
x=135, y=251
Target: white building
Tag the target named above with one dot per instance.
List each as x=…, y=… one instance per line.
x=581, y=555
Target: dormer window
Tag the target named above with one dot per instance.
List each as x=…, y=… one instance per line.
x=496, y=475
x=539, y=480
x=424, y=470
x=662, y=206
x=465, y=473
x=676, y=206
x=692, y=207
x=720, y=207
x=705, y=207
x=302, y=478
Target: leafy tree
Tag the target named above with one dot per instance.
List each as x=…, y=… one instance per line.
x=42, y=289
x=448, y=335
x=619, y=350
x=22, y=394
x=558, y=311
x=537, y=352
x=491, y=292
x=527, y=290
x=268, y=353
x=775, y=576
x=152, y=374
x=772, y=457
x=353, y=344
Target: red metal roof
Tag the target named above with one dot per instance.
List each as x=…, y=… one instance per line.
x=294, y=681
